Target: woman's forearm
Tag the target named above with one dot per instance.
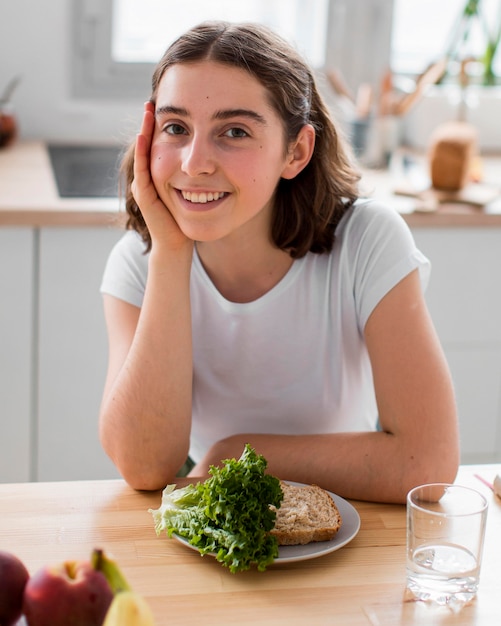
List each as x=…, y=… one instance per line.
x=373, y=466
x=145, y=416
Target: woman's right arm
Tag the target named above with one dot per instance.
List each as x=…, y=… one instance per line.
x=145, y=417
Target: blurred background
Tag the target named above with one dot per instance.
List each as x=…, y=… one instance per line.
x=74, y=75
x=84, y=66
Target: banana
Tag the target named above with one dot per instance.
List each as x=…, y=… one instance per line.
x=128, y=608
x=109, y=567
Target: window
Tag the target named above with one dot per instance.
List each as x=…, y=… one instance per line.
x=118, y=42
x=425, y=30
x=136, y=37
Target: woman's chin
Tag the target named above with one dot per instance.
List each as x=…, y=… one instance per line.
x=201, y=234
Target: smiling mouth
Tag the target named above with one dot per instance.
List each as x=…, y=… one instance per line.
x=203, y=197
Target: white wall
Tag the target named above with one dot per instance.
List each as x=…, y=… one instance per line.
x=34, y=42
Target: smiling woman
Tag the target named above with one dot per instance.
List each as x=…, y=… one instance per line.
x=286, y=313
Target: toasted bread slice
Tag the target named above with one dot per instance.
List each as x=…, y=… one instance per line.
x=308, y=513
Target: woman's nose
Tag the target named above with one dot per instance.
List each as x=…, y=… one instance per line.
x=198, y=158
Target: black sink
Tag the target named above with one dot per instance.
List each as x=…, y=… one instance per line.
x=86, y=171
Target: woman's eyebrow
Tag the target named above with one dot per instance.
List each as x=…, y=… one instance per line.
x=168, y=109
x=230, y=113
x=223, y=114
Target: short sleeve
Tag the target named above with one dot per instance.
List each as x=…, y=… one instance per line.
x=126, y=270
x=381, y=251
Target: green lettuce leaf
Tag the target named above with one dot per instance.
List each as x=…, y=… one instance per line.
x=227, y=515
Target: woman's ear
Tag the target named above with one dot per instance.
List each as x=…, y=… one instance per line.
x=300, y=152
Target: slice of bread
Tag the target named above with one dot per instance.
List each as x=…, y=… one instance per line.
x=308, y=513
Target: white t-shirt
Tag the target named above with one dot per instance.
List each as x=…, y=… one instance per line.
x=293, y=361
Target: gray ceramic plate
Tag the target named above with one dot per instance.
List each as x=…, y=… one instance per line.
x=289, y=554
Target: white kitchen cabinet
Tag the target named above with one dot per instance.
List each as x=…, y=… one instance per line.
x=16, y=353
x=72, y=353
x=464, y=297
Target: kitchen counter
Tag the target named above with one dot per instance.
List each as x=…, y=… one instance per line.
x=479, y=204
x=29, y=195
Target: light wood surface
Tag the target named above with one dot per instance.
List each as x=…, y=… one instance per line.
x=398, y=187
x=29, y=196
x=362, y=583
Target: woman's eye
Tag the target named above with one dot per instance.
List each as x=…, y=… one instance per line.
x=174, y=129
x=236, y=133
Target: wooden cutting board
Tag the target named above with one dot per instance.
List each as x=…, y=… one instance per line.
x=475, y=194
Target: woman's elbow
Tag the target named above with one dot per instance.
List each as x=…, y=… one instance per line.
x=144, y=477
x=142, y=471
x=439, y=466
x=446, y=464
x=147, y=482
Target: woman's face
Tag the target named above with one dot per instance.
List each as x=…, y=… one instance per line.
x=218, y=150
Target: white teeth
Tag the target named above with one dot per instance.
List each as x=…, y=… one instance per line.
x=202, y=197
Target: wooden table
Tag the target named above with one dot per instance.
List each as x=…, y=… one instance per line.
x=362, y=583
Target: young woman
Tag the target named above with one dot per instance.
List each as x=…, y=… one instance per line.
x=256, y=299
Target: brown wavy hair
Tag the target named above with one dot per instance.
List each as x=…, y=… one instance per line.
x=308, y=207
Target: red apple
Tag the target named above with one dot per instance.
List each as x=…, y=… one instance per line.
x=70, y=594
x=13, y=579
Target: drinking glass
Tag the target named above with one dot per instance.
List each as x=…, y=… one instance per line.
x=445, y=538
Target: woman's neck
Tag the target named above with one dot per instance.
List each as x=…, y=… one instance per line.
x=244, y=273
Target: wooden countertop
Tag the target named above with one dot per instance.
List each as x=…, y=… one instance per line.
x=29, y=196
x=393, y=186
x=362, y=583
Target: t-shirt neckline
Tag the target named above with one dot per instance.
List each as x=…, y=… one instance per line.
x=282, y=285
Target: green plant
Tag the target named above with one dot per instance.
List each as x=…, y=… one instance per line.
x=474, y=13
x=493, y=42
